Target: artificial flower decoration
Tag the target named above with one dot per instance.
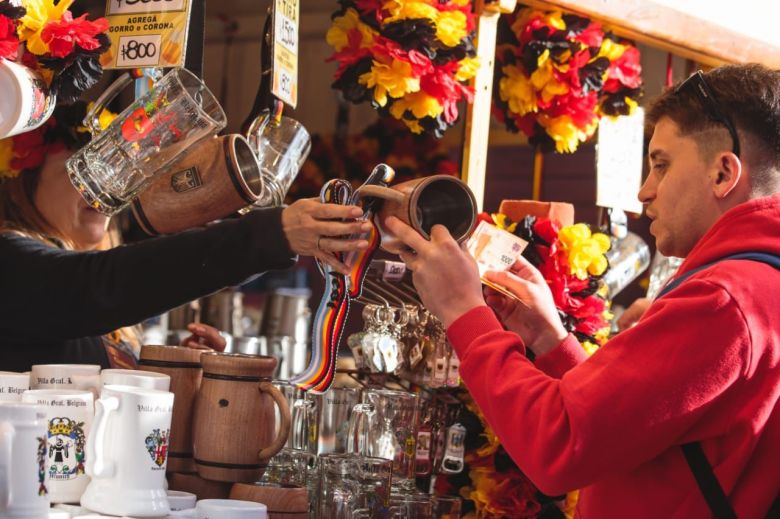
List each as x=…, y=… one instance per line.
x=408, y=58
x=64, y=50
x=557, y=74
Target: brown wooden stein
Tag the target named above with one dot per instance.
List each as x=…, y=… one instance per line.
x=283, y=502
x=216, y=178
x=234, y=420
x=423, y=203
x=183, y=366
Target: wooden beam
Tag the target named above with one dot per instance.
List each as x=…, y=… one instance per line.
x=661, y=26
x=475, y=145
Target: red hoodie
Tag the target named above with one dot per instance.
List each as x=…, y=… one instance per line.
x=703, y=365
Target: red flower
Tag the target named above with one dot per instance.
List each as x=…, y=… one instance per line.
x=29, y=148
x=9, y=43
x=547, y=230
x=384, y=49
x=625, y=71
x=591, y=36
x=485, y=217
x=63, y=35
x=442, y=85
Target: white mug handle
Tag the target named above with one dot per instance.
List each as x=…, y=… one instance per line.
x=7, y=433
x=96, y=441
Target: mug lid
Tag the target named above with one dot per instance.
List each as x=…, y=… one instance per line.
x=238, y=364
x=170, y=353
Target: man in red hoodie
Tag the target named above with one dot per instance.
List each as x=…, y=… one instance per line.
x=701, y=366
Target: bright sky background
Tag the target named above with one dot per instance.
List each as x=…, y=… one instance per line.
x=757, y=18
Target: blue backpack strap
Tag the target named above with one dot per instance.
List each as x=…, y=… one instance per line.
x=763, y=257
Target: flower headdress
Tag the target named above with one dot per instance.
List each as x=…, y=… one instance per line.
x=409, y=58
x=64, y=130
x=63, y=49
x=557, y=74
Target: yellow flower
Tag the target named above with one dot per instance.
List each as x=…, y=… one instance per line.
x=585, y=250
x=502, y=222
x=565, y=133
x=105, y=118
x=394, y=80
x=589, y=347
x=451, y=27
x=404, y=9
x=611, y=49
x=413, y=125
x=39, y=13
x=517, y=91
x=543, y=79
x=338, y=34
x=420, y=104
x=6, y=155
x=467, y=68
x=554, y=19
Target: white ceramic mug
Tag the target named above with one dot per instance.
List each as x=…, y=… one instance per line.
x=230, y=509
x=136, y=378
x=12, y=385
x=23, y=481
x=66, y=376
x=69, y=414
x=26, y=102
x=127, y=452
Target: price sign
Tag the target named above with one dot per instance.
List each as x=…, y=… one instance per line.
x=146, y=33
x=619, y=161
x=286, y=23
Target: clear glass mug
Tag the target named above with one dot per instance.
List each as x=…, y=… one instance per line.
x=353, y=487
x=281, y=145
x=289, y=467
x=144, y=140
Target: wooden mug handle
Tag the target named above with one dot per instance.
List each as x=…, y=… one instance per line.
x=267, y=453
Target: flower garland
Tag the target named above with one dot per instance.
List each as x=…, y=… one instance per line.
x=387, y=140
x=63, y=49
x=63, y=130
x=409, y=58
x=572, y=260
x=557, y=74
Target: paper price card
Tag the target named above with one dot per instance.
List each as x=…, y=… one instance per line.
x=495, y=250
x=619, y=161
x=146, y=33
x=286, y=24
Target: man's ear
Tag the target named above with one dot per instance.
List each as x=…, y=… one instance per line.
x=728, y=172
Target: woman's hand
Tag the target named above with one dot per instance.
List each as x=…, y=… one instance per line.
x=204, y=337
x=316, y=229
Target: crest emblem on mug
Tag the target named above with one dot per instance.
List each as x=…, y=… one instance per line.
x=42, y=490
x=66, y=448
x=157, y=446
x=186, y=180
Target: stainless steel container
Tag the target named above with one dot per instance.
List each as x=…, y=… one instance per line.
x=248, y=346
x=292, y=356
x=287, y=313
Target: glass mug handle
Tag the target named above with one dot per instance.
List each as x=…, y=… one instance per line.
x=92, y=119
x=360, y=424
x=96, y=440
x=302, y=421
x=284, y=429
x=7, y=433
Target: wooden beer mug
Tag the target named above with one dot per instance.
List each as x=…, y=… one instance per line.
x=216, y=178
x=423, y=203
x=183, y=366
x=234, y=420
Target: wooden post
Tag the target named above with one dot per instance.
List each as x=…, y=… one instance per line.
x=478, y=114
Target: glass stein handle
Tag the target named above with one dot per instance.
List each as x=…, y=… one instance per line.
x=302, y=422
x=92, y=119
x=360, y=423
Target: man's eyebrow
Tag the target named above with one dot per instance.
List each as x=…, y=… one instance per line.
x=656, y=154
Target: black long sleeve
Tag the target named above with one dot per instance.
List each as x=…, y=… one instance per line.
x=48, y=295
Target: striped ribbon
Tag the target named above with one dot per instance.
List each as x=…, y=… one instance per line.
x=340, y=289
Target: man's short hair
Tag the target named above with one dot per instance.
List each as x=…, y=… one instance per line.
x=747, y=94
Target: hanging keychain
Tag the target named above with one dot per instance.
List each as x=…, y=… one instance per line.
x=453, y=369
x=454, y=451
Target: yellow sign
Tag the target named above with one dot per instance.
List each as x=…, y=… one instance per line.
x=286, y=23
x=146, y=33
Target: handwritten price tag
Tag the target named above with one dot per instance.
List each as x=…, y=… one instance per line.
x=285, y=80
x=139, y=51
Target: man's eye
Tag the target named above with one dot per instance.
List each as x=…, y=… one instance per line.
x=659, y=167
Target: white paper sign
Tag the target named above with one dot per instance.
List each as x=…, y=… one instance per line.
x=619, y=161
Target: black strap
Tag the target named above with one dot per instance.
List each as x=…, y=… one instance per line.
x=702, y=470
x=708, y=483
x=196, y=37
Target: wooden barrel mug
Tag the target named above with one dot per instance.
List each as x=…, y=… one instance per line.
x=234, y=420
x=183, y=366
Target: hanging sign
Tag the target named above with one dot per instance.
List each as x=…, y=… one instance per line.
x=146, y=33
x=286, y=23
x=619, y=161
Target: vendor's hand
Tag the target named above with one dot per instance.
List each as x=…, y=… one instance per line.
x=316, y=229
x=534, y=317
x=633, y=313
x=204, y=337
x=445, y=276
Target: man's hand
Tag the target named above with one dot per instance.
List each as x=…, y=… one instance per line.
x=633, y=313
x=204, y=337
x=534, y=317
x=445, y=276
x=316, y=229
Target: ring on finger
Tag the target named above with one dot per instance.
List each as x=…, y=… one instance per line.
x=318, y=243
